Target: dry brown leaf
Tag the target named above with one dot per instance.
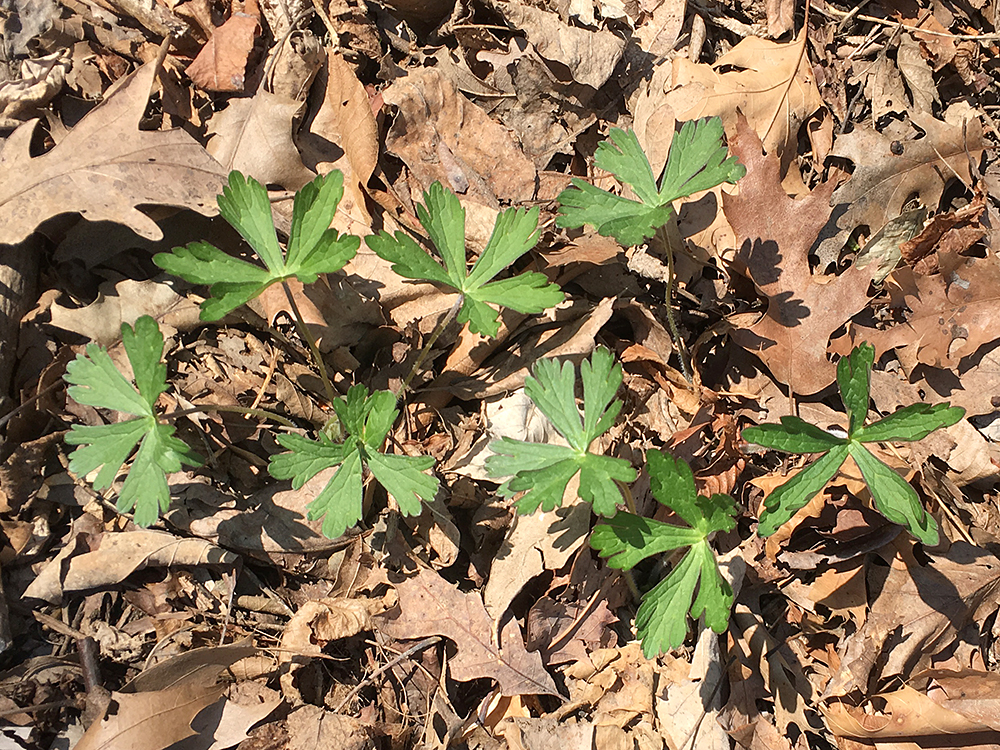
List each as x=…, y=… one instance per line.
x=117, y=557
x=444, y=137
x=883, y=181
x=591, y=56
x=918, y=611
x=105, y=167
x=970, y=693
x=101, y=321
x=773, y=86
x=803, y=309
x=41, y=79
x=429, y=605
x=312, y=728
x=951, y=314
x=343, y=135
x=907, y=713
x=167, y=703
x=254, y=135
x=221, y=64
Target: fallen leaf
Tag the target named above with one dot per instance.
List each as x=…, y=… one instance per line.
x=442, y=136
x=116, y=557
x=101, y=320
x=254, y=135
x=771, y=84
x=429, y=605
x=312, y=728
x=803, y=309
x=951, y=314
x=590, y=56
x=970, y=693
x=221, y=64
x=883, y=180
x=105, y=167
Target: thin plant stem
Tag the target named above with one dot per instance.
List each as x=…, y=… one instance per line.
x=209, y=408
x=306, y=334
x=675, y=334
x=431, y=340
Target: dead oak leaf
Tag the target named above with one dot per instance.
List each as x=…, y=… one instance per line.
x=105, y=168
x=883, y=181
x=430, y=605
x=774, y=234
x=951, y=315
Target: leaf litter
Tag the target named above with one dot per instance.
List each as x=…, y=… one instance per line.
x=455, y=625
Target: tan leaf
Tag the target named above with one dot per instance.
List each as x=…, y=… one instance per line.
x=772, y=85
x=101, y=321
x=254, y=135
x=221, y=64
x=118, y=556
x=105, y=167
x=883, y=181
x=431, y=606
x=803, y=310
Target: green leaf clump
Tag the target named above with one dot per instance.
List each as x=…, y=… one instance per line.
x=697, y=161
x=96, y=381
x=313, y=246
x=694, y=584
x=514, y=233
x=543, y=471
x=894, y=497
x=366, y=419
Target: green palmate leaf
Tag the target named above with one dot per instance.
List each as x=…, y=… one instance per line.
x=793, y=435
x=542, y=471
x=313, y=247
x=913, y=422
x=894, y=497
x=95, y=381
x=366, y=419
x=697, y=161
x=786, y=500
x=514, y=233
x=627, y=539
x=854, y=381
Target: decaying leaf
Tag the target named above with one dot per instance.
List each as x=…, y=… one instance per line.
x=888, y=172
x=105, y=168
x=430, y=605
x=803, y=308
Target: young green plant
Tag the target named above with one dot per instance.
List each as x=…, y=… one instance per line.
x=893, y=495
x=95, y=381
x=543, y=471
x=626, y=539
x=697, y=161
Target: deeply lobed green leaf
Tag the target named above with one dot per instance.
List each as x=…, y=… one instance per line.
x=696, y=161
x=543, y=472
x=627, y=539
x=95, y=381
x=514, y=233
x=366, y=418
x=313, y=247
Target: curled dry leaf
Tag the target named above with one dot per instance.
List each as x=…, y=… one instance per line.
x=314, y=625
x=105, y=167
x=117, y=557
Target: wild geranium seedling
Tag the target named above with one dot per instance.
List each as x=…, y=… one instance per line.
x=366, y=419
x=627, y=539
x=542, y=470
x=696, y=161
x=894, y=497
x=313, y=247
x=95, y=381
x=514, y=233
